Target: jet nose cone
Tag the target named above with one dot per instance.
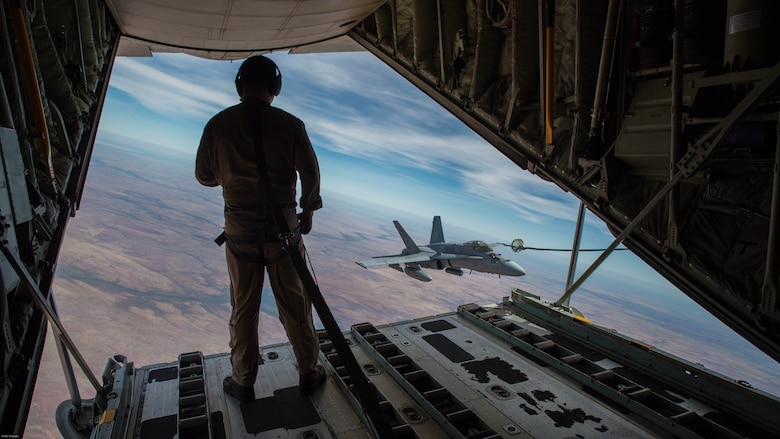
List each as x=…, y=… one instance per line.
x=514, y=268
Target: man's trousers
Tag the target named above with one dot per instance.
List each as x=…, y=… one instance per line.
x=295, y=309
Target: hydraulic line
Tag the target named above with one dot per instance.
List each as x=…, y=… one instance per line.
x=12, y=80
x=676, y=142
x=35, y=100
x=6, y=117
x=549, y=71
x=607, y=48
x=769, y=290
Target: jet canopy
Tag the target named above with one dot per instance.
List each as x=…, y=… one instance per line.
x=479, y=246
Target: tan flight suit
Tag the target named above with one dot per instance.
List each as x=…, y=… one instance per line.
x=226, y=157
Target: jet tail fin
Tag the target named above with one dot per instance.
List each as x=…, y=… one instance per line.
x=410, y=245
x=437, y=233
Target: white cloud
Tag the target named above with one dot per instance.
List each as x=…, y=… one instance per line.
x=530, y=197
x=416, y=133
x=358, y=73
x=173, y=91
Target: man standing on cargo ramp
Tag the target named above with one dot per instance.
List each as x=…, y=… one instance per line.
x=226, y=157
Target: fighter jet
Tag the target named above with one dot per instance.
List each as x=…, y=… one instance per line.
x=440, y=255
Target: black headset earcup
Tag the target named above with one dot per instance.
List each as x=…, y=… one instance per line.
x=276, y=86
x=239, y=83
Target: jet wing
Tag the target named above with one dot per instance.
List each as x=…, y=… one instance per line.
x=380, y=261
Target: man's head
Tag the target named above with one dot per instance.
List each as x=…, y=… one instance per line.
x=257, y=74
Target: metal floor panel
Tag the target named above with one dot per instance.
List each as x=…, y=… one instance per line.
x=512, y=394
x=460, y=373
x=506, y=389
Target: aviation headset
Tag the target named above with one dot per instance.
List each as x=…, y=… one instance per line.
x=263, y=71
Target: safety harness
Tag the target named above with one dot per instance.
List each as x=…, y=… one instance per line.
x=258, y=233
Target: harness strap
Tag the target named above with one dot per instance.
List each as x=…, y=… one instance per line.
x=232, y=241
x=243, y=255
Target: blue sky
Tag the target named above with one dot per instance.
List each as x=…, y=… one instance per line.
x=379, y=140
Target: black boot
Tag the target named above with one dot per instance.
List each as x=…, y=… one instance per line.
x=241, y=393
x=309, y=382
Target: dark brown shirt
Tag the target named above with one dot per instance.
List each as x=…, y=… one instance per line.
x=226, y=157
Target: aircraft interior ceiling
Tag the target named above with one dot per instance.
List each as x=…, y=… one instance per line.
x=664, y=124
x=233, y=29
